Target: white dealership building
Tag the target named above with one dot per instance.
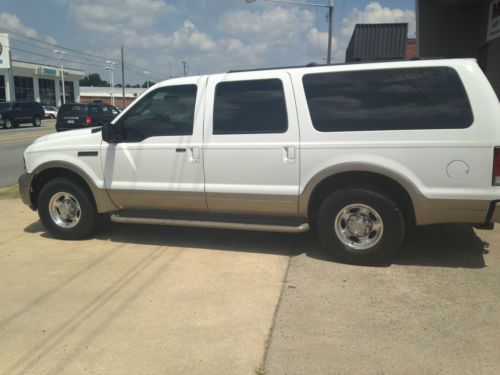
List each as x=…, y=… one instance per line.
x=22, y=80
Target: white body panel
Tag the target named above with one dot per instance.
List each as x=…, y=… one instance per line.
x=252, y=173
x=155, y=166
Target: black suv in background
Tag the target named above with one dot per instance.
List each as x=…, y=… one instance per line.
x=77, y=115
x=14, y=113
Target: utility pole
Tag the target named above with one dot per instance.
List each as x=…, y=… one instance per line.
x=186, y=68
x=330, y=6
x=111, y=68
x=147, y=76
x=61, y=54
x=123, y=81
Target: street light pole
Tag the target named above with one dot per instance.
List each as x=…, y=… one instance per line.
x=61, y=54
x=330, y=6
x=111, y=68
x=147, y=76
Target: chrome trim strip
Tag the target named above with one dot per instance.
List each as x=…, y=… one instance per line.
x=211, y=224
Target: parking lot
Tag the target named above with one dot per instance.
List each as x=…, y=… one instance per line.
x=148, y=300
x=13, y=142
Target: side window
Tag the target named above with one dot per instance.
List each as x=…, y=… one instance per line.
x=389, y=99
x=167, y=111
x=112, y=110
x=250, y=107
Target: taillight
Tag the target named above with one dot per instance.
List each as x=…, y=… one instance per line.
x=88, y=120
x=496, y=166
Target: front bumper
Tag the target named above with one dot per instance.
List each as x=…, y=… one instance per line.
x=25, y=188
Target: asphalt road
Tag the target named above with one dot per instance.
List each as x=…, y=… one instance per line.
x=13, y=142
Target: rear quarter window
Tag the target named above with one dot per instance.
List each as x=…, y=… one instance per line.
x=75, y=108
x=389, y=99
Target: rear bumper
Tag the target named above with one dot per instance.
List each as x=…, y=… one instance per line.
x=25, y=188
x=493, y=215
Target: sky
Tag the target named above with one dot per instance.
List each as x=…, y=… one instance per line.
x=211, y=35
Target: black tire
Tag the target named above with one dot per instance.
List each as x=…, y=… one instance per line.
x=8, y=124
x=384, y=243
x=88, y=213
x=37, y=121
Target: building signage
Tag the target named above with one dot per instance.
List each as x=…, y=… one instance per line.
x=494, y=21
x=46, y=71
x=4, y=51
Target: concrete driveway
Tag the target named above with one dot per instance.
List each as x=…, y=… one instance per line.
x=143, y=300
x=151, y=300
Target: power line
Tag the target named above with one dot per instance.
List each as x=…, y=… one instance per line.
x=55, y=45
x=93, y=56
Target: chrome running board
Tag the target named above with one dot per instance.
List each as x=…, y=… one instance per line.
x=117, y=218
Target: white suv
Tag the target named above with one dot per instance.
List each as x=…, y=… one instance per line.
x=359, y=152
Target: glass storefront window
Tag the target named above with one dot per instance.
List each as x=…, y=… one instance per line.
x=69, y=91
x=2, y=88
x=23, y=87
x=47, y=91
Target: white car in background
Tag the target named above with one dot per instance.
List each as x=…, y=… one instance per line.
x=50, y=112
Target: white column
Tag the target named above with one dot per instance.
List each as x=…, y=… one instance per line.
x=76, y=87
x=36, y=89
x=58, y=93
x=9, y=88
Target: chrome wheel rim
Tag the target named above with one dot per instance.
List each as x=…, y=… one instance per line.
x=8, y=124
x=64, y=210
x=359, y=226
x=37, y=121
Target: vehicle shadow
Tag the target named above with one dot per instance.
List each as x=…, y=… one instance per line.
x=454, y=246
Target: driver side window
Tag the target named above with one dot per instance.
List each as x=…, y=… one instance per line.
x=167, y=111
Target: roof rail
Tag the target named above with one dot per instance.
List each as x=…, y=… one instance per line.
x=315, y=65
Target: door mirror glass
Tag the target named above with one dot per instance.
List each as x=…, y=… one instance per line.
x=110, y=133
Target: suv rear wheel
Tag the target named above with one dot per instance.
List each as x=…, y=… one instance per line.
x=361, y=226
x=37, y=121
x=67, y=210
x=7, y=124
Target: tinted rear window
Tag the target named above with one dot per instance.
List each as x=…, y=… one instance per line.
x=69, y=108
x=250, y=107
x=390, y=99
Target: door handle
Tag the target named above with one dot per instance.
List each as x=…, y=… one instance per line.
x=180, y=150
x=289, y=154
x=194, y=155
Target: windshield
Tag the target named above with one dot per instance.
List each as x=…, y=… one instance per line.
x=4, y=106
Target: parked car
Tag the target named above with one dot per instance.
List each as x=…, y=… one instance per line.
x=77, y=115
x=12, y=114
x=50, y=112
x=358, y=152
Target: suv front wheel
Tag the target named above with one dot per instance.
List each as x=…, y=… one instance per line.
x=37, y=121
x=67, y=210
x=361, y=226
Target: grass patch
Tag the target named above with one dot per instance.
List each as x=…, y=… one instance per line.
x=10, y=192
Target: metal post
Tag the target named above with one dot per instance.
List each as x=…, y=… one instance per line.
x=61, y=55
x=123, y=81
x=185, y=67
x=330, y=30
x=12, y=89
x=111, y=68
x=147, y=78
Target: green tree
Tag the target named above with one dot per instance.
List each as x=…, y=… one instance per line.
x=93, y=79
